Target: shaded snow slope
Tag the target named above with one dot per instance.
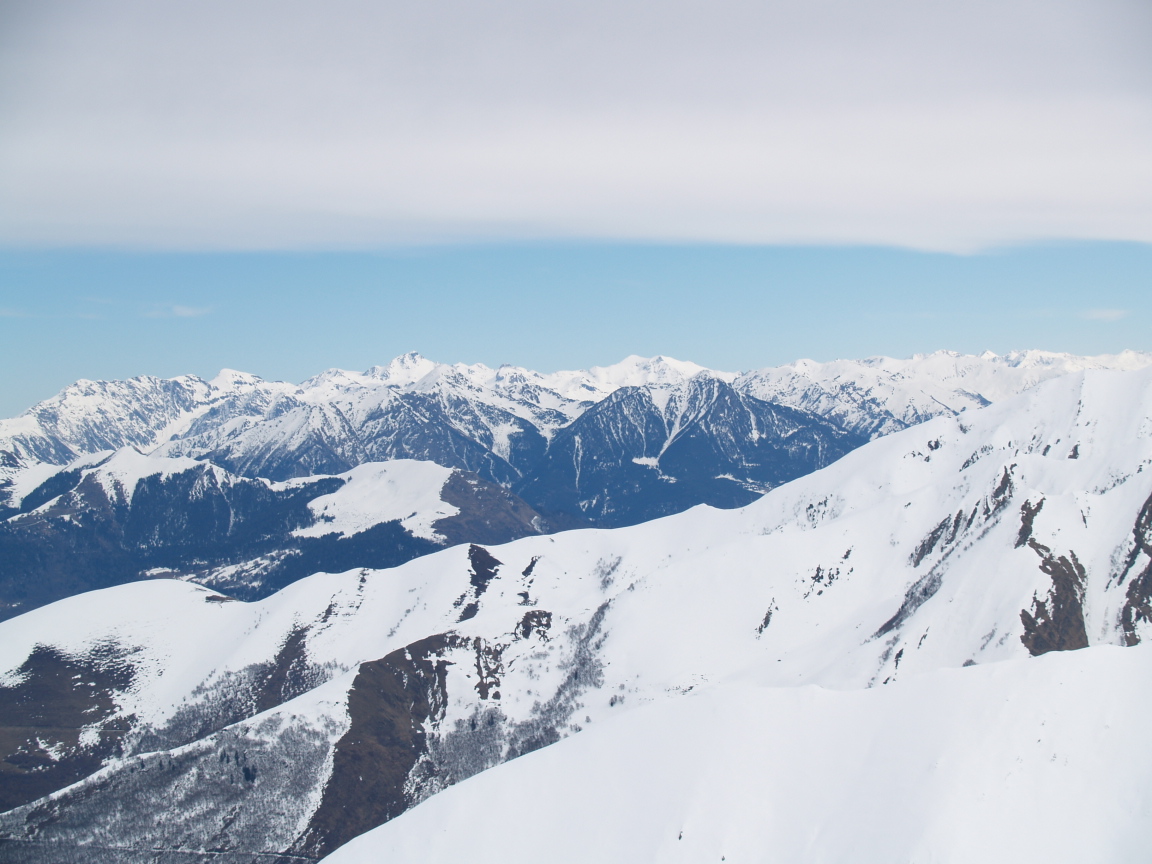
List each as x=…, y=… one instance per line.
x=1041, y=760
x=1020, y=529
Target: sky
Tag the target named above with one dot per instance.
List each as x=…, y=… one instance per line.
x=286, y=186
x=947, y=124
x=114, y=314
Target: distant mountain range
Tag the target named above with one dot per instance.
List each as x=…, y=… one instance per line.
x=499, y=423
x=217, y=481
x=791, y=675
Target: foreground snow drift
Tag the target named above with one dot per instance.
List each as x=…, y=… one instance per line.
x=1021, y=761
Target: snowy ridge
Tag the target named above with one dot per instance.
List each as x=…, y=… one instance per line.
x=500, y=424
x=121, y=472
x=880, y=395
x=113, y=518
x=1016, y=530
x=242, y=417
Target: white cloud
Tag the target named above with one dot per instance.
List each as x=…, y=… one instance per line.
x=1104, y=314
x=943, y=125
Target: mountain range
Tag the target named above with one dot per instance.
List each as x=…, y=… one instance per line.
x=909, y=653
x=221, y=474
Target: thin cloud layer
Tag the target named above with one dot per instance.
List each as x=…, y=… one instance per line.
x=177, y=311
x=943, y=125
x=1105, y=314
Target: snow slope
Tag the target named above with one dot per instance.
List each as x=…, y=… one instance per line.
x=404, y=490
x=1040, y=760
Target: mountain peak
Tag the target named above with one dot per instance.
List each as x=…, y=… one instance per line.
x=404, y=369
x=230, y=379
x=637, y=371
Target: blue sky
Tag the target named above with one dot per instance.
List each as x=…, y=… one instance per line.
x=68, y=314
x=283, y=186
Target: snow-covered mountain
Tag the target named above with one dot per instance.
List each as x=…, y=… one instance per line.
x=517, y=427
x=118, y=517
x=880, y=395
x=293, y=724
x=663, y=436
x=484, y=418
x=645, y=452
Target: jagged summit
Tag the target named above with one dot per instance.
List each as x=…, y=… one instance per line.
x=502, y=423
x=227, y=379
x=404, y=369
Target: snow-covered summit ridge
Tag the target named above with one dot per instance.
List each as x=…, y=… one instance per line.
x=879, y=395
x=944, y=768
x=376, y=492
x=413, y=371
x=239, y=414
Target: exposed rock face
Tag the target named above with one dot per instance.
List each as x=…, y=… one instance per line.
x=58, y=723
x=1137, y=574
x=644, y=452
x=392, y=702
x=1057, y=622
x=1028, y=513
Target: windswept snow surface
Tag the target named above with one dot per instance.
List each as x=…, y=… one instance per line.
x=1021, y=761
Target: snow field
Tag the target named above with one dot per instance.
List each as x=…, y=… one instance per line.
x=1027, y=760
x=403, y=489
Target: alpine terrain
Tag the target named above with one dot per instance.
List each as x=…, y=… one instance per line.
x=931, y=648
x=230, y=482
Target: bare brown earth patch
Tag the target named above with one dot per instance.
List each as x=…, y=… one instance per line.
x=41, y=719
x=389, y=703
x=490, y=513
